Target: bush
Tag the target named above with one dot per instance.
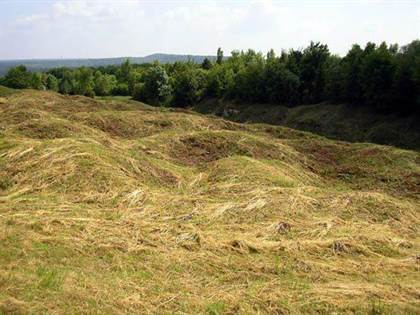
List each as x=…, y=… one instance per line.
x=52, y=83
x=18, y=78
x=121, y=89
x=156, y=89
x=138, y=92
x=188, y=87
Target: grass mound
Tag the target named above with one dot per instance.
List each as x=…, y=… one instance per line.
x=42, y=129
x=208, y=146
x=336, y=121
x=5, y=91
x=363, y=165
x=14, y=117
x=112, y=206
x=129, y=124
x=243, y=169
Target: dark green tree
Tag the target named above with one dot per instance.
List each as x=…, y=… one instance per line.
x=121, y=89
x=37, y=81
x=65, y=87
x=352, y=72
x=249, y=80
x=188, y=87
x=123, y=73
x=219, y=56
x=19, y=78
x=378, y=70
x=406, y=85
x=219, y=81
x=104, y=83
x=313, y=72
x=282, y=85
x=271, y=55
x=67, y=84
x=156, y=89
x=52, y=83
x=84, y=82
x=206, y=64
x=335, y=80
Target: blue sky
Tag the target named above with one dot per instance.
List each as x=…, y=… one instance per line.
x=89, y=29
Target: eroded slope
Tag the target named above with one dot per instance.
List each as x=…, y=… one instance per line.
x=118, y=207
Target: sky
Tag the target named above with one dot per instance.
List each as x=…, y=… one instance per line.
x=119, y=28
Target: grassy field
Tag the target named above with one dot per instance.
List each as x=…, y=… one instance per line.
x=335, y=121
x=112, y=206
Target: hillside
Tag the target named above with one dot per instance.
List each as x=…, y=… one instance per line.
x=113, y=206
x=336, y=121
x=45, y=64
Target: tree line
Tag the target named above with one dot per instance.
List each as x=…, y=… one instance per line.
x=384, y=77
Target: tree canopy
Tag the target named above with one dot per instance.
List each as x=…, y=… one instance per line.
x=383, y=77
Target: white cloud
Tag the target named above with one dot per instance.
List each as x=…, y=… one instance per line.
x=121, y=28
x=94, y=9
x=29, y=20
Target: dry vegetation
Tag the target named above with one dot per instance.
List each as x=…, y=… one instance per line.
x=116, y=207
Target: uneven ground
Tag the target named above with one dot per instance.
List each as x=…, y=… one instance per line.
x=116, y=207
x=336, y=121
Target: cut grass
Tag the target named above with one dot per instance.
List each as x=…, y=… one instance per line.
x=111, y=206
x=5, y=91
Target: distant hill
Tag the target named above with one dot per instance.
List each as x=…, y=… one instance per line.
x=44, y=64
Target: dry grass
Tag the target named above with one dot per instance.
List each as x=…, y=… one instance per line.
x=116, y=207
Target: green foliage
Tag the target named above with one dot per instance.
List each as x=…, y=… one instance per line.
x=104, y=83
x=206, y=64
x=219, y=81
x=378, y=71
x=156, y=89
x=351, y=67
x=37, y=81
x=138, y=91
x=18, y=78
x=65, y=86
x=313, y=72
x=124, y=72
x=188, y=87
x=406, y=85
x=219, y=56
x=334, y=80
x=84, y=82
x=282, y=85
x=121, y=89
x=249, y=80
x=52, y=82
x=384, y=77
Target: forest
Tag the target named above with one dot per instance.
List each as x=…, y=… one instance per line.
x=383, y=77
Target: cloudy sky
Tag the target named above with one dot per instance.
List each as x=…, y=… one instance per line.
x=88, y=29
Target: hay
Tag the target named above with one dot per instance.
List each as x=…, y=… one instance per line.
x=114, y=207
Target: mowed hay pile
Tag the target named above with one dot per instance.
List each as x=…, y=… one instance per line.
x=112, y=207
